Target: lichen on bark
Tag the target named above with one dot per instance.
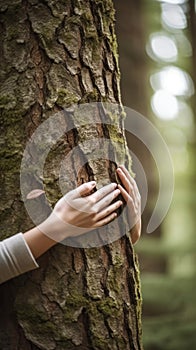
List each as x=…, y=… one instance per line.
x=78, y=298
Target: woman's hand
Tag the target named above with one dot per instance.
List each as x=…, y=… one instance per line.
x=132, y=197
x=79, y=211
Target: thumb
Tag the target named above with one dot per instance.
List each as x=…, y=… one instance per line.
x=86, y=188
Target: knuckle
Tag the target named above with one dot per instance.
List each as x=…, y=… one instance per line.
x=93, y=220
x=130, y=201
x=105, y=221
x=118, y=204
x=92, y=200
x=94, y=210
x=107, y=211
x=107, y=202
x=103, y=193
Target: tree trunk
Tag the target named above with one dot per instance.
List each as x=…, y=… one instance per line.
x=55, y=54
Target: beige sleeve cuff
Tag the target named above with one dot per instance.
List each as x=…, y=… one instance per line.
x=15, y=257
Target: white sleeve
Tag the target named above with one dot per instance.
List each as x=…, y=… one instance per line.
x=15, y=257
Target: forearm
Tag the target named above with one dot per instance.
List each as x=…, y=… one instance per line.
x=38, y=242
x=15, y=257
x=18, y=253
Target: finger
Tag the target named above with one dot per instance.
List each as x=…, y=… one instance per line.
x=102, y=192
x=109, y=210
x=133, y=203
x=104, y=202
x=125, y=194
x=128, y=181
x=131, y=179
x=125, y=181
x=126, y=172
x=84, y=189
x=106, y=220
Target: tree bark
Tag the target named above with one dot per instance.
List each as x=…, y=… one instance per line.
x=55, y=54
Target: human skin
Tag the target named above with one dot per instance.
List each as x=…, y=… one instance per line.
x=132, y=197
x=80, y=211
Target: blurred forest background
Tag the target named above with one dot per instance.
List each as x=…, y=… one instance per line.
x=157, y=49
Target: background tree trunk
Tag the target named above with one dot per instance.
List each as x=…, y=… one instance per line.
x=131, y=23
x=55, y=54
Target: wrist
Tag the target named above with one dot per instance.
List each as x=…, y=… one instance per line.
x=58, y=230
x=38, y=242
x=136, y=231
x=54, y=228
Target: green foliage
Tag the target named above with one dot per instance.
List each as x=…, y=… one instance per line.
x=169, y=309
x=169, y=313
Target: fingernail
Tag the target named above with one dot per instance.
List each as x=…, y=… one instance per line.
x=93, y=183
x=114, y=184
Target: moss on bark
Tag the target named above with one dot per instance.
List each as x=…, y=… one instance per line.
x=78, y=298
